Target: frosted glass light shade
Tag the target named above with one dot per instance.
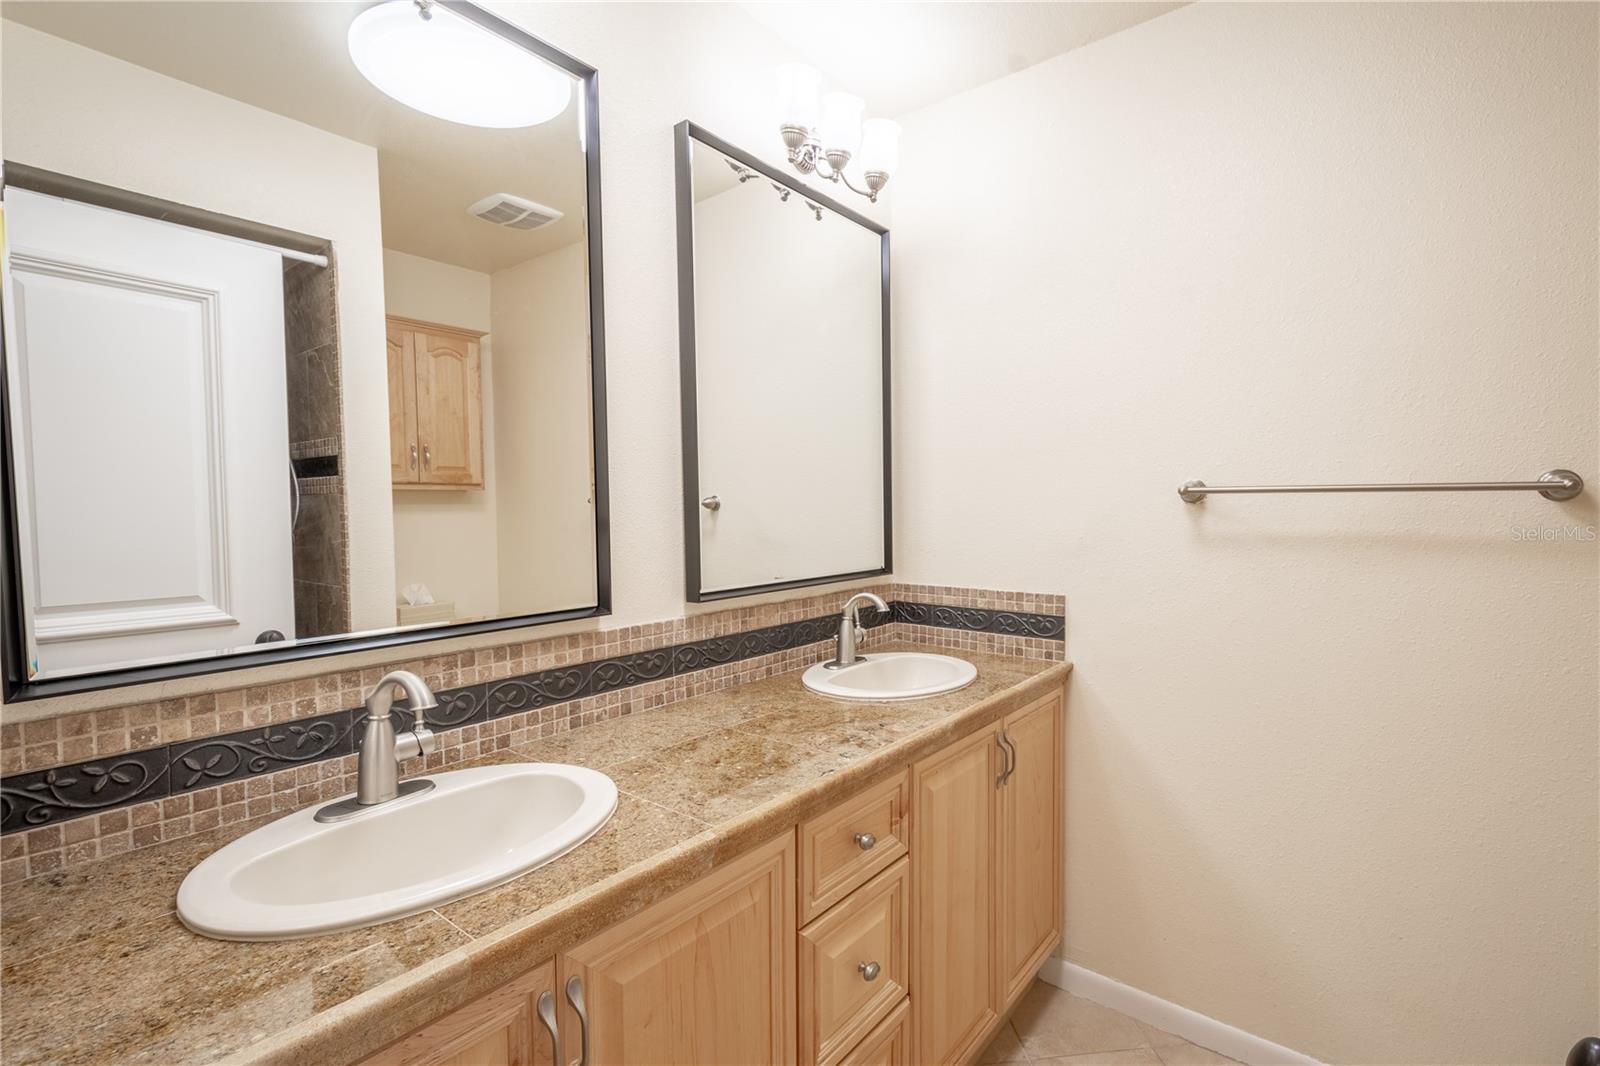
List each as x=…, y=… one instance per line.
x=841, y=123
x=446, y=67
x=799, y=87
x=880, y=145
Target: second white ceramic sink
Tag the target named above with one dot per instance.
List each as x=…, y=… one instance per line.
x=475, y=829
x=892, y=675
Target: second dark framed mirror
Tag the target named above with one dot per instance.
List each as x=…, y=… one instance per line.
x=783, y=322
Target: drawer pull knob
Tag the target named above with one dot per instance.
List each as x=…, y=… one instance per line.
x=870, y=970
x=866, y=842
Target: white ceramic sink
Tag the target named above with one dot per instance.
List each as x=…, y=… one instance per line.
x=892, y=675
x=475, y=829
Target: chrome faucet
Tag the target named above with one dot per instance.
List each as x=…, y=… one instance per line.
x=851, y=631
x=382, y=749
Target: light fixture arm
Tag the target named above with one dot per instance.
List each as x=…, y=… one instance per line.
x=806, y=156
x=836, y=175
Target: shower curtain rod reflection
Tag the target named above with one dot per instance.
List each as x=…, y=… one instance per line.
x=1552, y=485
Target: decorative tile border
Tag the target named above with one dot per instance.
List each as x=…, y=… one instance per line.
x=982, y=620
x=226, y=756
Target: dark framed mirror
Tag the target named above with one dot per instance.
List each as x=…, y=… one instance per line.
x=783, y=323
x=303, y=335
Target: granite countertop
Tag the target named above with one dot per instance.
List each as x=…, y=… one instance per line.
x=98, y=969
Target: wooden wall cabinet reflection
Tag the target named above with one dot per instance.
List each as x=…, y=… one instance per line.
x=435, y=405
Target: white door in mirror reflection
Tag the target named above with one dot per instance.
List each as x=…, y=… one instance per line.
x=153, y=453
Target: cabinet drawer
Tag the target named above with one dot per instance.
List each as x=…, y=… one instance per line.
x=854, y=967
x=887, y=1045
x=845, y=847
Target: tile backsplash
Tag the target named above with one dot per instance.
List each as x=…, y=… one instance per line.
x=80, y=787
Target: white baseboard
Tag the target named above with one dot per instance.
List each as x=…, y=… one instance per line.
x=1193, y=1026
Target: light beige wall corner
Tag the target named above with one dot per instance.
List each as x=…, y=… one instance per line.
x=543, y=430
x=447, y=540
x=1332, y=770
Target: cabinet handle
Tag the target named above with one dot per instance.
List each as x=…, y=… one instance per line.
x=547, y=1015
x=413, y=457
x=870, y=970
x=711, y=503
x=427, y=456
x=866, y=841
x=575, y=997
x=1005, y=758
x=1011, y=756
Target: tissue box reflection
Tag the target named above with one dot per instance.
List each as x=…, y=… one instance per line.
x=416, y=614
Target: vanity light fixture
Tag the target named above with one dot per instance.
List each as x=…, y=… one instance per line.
x=434, y=61
x=824, y=132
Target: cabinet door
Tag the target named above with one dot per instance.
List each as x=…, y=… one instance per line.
x=449, y=409
x=1030, y=865
x=955, y=992
x=704, y=978
x=500, y=1029
x=404, y=462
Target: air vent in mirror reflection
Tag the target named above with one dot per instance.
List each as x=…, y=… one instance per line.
x=514, y=212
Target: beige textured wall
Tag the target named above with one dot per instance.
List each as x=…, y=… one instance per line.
x=1332, y=769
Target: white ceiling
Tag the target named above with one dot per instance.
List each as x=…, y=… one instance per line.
x=902, y=56
x=290, y=57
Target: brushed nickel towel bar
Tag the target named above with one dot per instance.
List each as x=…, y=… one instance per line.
x=1552, y=485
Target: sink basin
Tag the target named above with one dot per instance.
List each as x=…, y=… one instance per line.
x=475, y=829
x=892, y=675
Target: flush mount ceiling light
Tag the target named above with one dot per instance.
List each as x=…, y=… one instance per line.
x=433, y=60
x=824, y=135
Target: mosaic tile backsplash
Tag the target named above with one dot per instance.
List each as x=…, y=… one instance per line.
x=91, y=785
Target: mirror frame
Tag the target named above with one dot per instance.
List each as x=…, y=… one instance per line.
x=684, y=134
x=18, y=687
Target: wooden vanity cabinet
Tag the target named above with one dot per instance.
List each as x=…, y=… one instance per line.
x=435, y=405
x=943, y=883
x=499, y=1029
x=704, y=978
x=1029, y=842
x=986, y=849
x=955, y=994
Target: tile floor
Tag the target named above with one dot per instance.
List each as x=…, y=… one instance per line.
x=1056, y=1027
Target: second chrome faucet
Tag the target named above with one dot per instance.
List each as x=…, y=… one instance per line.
x=851, y=631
